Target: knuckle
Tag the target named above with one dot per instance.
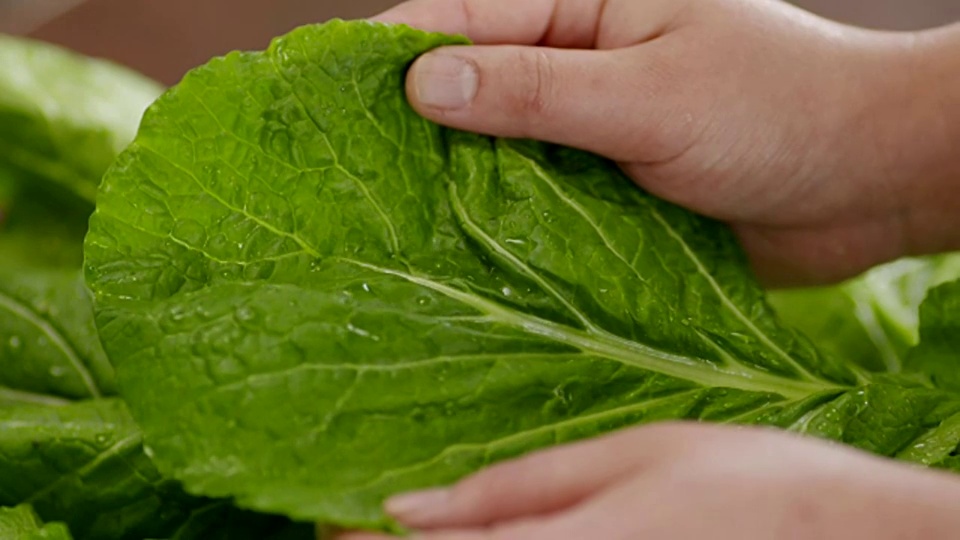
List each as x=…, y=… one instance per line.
x=537, y=83
x=469, y=18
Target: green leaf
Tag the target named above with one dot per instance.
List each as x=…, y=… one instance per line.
x=63, y=120
x=938, y=354
x=828, y=316
x=871, y=320
x=49, y=347
x=37, y=230
x=84, y=464
x=64, y=117
x=21, y=523
x=314, y=298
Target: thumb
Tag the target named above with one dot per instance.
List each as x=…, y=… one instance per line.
x=599, y=101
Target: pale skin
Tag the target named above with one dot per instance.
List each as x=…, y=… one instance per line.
x=686, y=481
x=827, y=148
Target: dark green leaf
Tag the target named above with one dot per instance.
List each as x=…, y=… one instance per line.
x=63, y=118
x=222, y=521
x=84, y=464
x=49, y=347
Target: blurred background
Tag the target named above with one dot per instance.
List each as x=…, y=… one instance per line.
x=165, y=38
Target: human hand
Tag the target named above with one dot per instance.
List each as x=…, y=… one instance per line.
x=679, y=481
x=827, y=148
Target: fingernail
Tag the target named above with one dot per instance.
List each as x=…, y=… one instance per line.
x=445, y=81
x=414, y=508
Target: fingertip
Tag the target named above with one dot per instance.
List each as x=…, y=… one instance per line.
x=442, y=81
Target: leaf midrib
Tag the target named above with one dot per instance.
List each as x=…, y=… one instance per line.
x=672, y=233
x=615, y=348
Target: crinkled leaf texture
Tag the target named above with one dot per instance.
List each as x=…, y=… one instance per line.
x=21, y=523
x=314, y=298
x=75, y=455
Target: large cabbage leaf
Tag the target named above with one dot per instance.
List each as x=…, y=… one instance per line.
x=314, y=298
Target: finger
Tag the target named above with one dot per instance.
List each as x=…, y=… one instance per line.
x=496, y=21
x=539, y=529
x=621, y=104
x=582, y=24
x=537, y=484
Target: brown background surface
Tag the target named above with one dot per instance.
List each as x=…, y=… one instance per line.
x=165, y=37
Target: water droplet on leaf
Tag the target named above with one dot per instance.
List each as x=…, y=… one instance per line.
x=246, y=314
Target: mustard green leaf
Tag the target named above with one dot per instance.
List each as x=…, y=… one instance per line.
x=315, y=299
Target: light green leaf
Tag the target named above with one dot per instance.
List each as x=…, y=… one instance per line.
x=64, y=117
x=21, y=523
x=314, y=298
x=872, y=319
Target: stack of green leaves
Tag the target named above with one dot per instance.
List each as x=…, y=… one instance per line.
x=313, y=299
x=68, y=446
